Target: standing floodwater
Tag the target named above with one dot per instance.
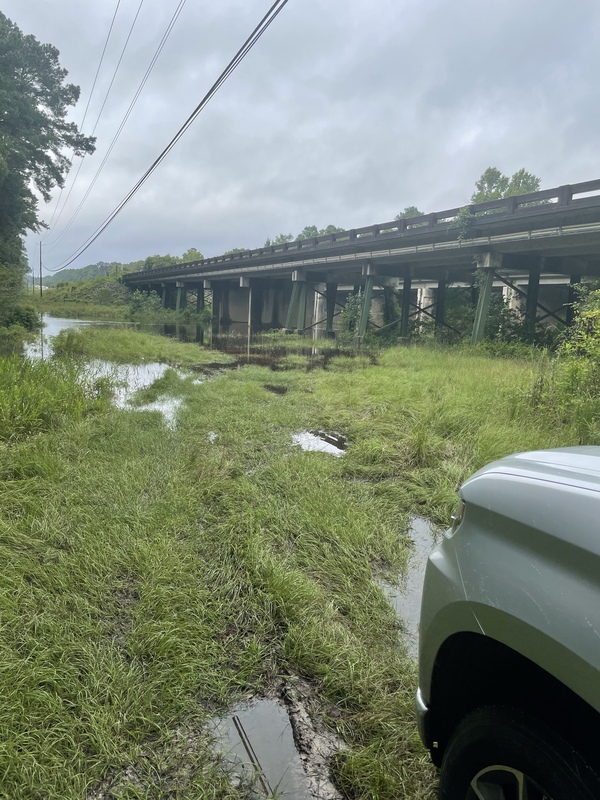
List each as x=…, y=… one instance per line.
x=258, y=742
x=406, y=598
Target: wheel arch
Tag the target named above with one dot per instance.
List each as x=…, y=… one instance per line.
x=473, y=671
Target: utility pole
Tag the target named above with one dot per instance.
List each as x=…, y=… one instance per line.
x=40, y=267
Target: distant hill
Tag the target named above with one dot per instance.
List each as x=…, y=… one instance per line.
x=83, y=274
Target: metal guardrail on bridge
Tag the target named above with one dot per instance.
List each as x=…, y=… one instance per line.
x=544, y=202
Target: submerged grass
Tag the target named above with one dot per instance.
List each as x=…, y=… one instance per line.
x=153, y=576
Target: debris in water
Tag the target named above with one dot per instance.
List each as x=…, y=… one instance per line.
x=320, y=441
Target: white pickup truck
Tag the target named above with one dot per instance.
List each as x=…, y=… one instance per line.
x=509, y=644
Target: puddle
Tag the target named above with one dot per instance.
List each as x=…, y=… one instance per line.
x=321, y=442
x=258, y=741
x=276, y=389
x=130, y=378
x=406, y=598
x=126, y=378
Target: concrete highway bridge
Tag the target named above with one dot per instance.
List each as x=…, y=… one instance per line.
x=535, y=248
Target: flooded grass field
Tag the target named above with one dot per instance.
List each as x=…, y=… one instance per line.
x=194, y=548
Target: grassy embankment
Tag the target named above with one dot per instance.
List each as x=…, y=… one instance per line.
x=152, y=576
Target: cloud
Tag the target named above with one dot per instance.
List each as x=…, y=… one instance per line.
x=343, y=113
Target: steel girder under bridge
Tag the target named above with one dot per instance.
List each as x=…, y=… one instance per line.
x=525, y=243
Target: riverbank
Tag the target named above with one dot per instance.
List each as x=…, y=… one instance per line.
x=156, y=576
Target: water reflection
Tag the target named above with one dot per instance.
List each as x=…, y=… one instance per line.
x=258, y=742
x=129, y=379
x=182, y=331
x=42, y=346
x=321, y=442
x=406, y=598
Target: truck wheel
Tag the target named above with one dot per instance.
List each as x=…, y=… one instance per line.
x=501, y=753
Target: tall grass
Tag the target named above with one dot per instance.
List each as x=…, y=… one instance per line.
x=130, y=346
x=36, y=396
x=154, y=576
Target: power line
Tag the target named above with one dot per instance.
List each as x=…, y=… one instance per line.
x=157, y=53
x=87, y=106
x=258, y=31
x=106, y=96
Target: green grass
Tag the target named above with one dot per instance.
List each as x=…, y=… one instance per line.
x=38, y=396
x=278, y=339
x=131, y=346
x=154, y=576
x=80, y=310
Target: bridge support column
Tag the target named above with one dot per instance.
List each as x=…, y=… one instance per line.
x=168, y=299
x=297, y=305
x=199, y=310
x=367, y=298
x=405, y=308
x=301, y=321
x=216, y=308
x=531, y=303
x=331, y=296
x=575, y=281
x=319, y=311
x=292, y=306
x=270, y=310
x=181, y=296
x=200, y=299
x=491, y=261
x=440, y=305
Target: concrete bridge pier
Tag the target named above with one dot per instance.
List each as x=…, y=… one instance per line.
x=272, y=301
x=531, y=303
x=168, y=295
x=180, y=296
x=255, y=305
x=296, y=311
x=490, y=262
x=331, y=290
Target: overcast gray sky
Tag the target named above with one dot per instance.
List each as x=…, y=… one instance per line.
x=345, y=112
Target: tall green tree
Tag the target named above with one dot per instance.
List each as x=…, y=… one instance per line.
x=281, y=238
x=310, y=231
x=35, y=142
x=409, y=211
x=160, y=262
x=493, y=185
x=193, y=254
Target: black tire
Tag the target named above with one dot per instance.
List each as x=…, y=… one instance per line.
x=497, y=749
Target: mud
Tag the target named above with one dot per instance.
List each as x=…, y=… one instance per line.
x=274, y=388
x=285, y=733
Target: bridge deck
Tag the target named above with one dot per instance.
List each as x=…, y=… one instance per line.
x=554, y=224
